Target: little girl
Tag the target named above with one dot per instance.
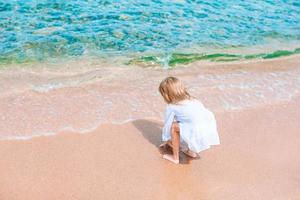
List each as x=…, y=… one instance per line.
x=187, y=122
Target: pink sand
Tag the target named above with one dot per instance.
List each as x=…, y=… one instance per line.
x=257, y=159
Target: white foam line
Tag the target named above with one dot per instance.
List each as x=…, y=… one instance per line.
x=47, y=87
x=4, y=138
x=227, y=107
x=124, y=122
x=46, y=134
x=71, y=129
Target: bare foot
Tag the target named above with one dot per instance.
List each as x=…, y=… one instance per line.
x=170, y=158
x=190, y=153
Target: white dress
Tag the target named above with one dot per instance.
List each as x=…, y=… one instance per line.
x=198, y=129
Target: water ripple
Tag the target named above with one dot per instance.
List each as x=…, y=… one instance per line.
x=39, y=30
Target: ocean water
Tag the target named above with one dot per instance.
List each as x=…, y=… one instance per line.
x=143, y=31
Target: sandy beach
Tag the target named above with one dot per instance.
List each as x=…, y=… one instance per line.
x=83, y=101
x=257, y=159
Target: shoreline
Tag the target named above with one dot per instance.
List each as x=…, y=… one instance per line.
x=45, y=103
x=191, y=55
x=122, y=161
x=101, y=124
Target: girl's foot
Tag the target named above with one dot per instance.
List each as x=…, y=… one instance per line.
x=190, y=153
x=170, y=158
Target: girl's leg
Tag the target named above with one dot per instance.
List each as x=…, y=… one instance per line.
x=175, y=139
x=175, y=135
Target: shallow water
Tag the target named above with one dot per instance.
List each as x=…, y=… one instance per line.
x=41, y=102
x=33, y=31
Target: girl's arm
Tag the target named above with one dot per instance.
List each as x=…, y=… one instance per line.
x=169, y=117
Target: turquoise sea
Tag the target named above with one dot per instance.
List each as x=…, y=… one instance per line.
x=43, y=30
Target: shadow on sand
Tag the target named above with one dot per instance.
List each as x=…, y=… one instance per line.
x=152, y=130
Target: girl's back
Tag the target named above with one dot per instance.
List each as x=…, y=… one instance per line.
x=189, y=111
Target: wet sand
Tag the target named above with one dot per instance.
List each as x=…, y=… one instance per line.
x=258, y=159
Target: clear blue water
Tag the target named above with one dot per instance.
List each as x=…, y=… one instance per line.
x=39, y=30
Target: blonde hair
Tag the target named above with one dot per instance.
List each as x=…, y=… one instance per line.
x=173, y=90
